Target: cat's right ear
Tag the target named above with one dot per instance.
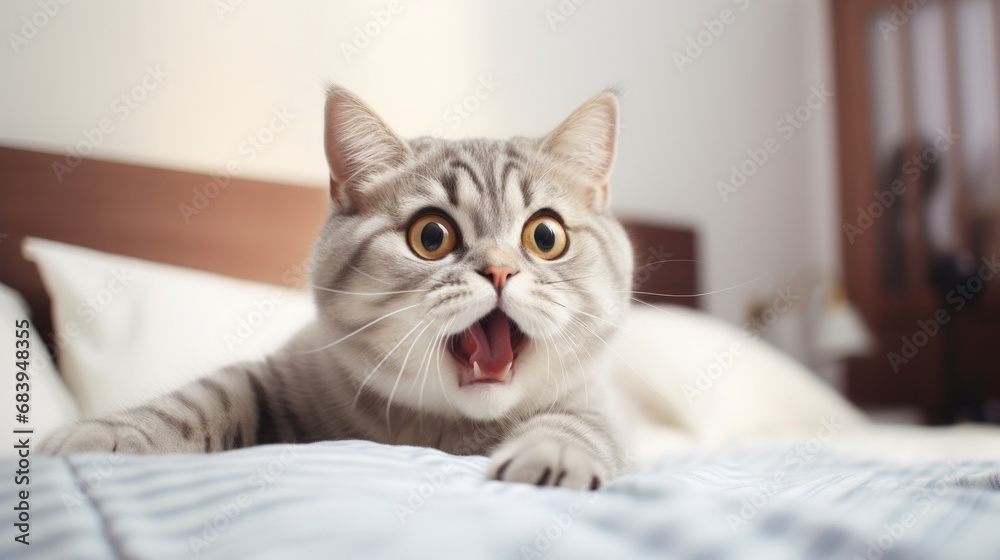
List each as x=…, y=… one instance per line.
x=359, y=146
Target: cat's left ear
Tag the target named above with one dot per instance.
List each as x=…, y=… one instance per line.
x=587, y=141
x=359, y=146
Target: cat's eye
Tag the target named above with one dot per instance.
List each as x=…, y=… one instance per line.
x=432, y=237
x=545, y=237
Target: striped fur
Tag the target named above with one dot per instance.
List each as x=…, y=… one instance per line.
x=374, y=365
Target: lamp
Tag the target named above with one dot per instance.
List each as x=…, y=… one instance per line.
x=840, y=331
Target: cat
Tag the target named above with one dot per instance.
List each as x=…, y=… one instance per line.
x=466, y=293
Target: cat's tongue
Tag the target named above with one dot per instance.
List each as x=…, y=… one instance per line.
x=488, y=347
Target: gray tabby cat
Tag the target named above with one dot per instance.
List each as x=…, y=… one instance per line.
x=466, y=293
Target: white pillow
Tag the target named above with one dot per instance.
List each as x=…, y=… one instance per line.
x=129, y=330
x=694, y=370
x=50, y=404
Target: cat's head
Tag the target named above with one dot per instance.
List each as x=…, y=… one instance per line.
x=471, y=276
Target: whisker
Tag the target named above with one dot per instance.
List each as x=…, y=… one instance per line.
x=359, y=329
x=368, y=293
x=440, y=376
x=420, y=366
x=637, y=268
x=660, y=309
x=586, y=391
x=672, y=295
x=433, y=348
x=422, y=375
x=406, y=358
x=548, y=372
x=562, y=365
x=670, y=261
x=623, y=329
x=363, y=273
x=548, y=375
x=571, y=279
x=560, y=390
x=382, y=361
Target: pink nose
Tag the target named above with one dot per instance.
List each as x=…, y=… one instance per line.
x=499, y=274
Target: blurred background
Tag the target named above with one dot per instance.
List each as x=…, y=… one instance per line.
x=838, y=160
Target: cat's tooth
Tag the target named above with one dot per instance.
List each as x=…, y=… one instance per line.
x=476, y=371
x=506, y=370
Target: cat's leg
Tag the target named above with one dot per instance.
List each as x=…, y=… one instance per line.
x=571, y=450
x=237, y=406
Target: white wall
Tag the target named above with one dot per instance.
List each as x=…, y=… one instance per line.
x=683, y=129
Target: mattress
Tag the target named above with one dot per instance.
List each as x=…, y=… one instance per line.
x=357, y=499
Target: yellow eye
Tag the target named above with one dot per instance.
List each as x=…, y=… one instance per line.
x=545, y=237
x=432, y=237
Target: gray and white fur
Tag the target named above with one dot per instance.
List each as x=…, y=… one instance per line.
x=376, y=364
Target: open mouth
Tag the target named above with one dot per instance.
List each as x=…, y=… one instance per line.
x=487, y=350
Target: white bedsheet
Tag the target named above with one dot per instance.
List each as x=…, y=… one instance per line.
x=364, y=500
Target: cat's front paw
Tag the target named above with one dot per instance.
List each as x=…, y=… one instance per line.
x=96, y=436
x=547, y=462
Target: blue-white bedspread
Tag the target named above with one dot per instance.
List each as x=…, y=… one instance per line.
x=363, y=500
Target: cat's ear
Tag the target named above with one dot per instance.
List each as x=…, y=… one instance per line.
x=588, y=140
x=359, y=145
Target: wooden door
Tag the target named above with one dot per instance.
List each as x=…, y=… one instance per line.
x=918, y=98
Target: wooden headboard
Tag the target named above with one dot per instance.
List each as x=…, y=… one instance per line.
x=246, y=229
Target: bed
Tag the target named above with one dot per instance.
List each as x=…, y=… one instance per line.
x=705, y=487
x=362, y=500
